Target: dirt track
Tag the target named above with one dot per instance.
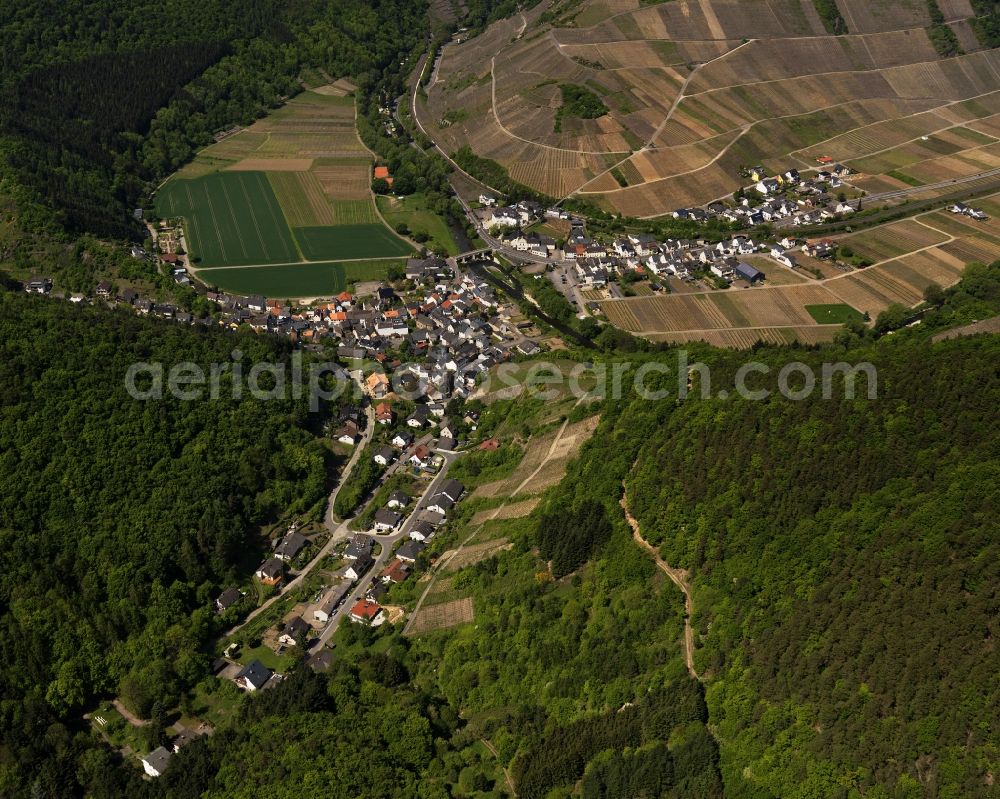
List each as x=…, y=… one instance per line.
x=679, y=578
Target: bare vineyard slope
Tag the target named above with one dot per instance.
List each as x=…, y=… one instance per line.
x=695, y=89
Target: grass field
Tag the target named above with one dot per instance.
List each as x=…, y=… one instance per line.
x=231, y=218
x=837, y=314
x=297, y=280
x=414, y=213
x=350, y=242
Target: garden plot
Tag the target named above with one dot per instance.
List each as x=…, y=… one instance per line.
x=511, y=510
x=472, y=554
x=442, y=616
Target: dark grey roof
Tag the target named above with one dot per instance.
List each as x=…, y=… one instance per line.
x=159, y=758
x=296, y=627
x=452, y=488
x=291, y=545
x=387, y=517
x=256, y=672
x=321, y=661
x=272, y=567
x=400, y=496
x=228, y=598
x=410, y=550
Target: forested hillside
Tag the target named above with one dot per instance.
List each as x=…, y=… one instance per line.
x=99, y=101
x=844, y=557
x=120, y=519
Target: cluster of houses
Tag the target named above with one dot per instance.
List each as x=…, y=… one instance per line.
x=452, y=327
x=367, y=610
x=961, y=209
x=789, y=198
x=686, y=259
x=452, y=333
x=401, y=445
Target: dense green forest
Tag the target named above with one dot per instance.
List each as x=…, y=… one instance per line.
x=844, y=561
x=119, y=519
x=987, y=22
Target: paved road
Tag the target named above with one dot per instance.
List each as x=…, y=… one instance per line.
x=338, y=530
x=388, y=542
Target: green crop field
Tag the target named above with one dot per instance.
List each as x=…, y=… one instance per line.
x=231, y=218
x=834, y=314
x=297, y=280
x=350, y=242
x=354, y=212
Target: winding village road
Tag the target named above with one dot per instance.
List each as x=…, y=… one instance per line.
x=338, y=531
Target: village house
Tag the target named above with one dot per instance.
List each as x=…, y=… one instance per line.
x=422, y=531
x=291, y=545
x=361, y=564
x=330, y=601
x=367, y=612
x=385, y=520
x=271, y=571
x=294, y=631
x=402, y=439
x=377, y=385
x=398, y=499
x=359, y=545
x=410, y=551
x=253, y=676
x=156, y=762
x=395, y=572
x=385, y=456
x=227, y=599
x=420, y=457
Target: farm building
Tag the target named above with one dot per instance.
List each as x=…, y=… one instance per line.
x=749, y=273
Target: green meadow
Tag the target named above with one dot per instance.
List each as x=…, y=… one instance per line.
x=316, y=279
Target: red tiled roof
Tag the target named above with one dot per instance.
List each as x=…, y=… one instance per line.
x=366, y=609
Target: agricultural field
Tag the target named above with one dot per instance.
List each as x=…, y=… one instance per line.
x=544, y=463
x=231, y=218
x=833, y=314
x=289, y=198
x=694, y=90
x=350, y=242
x=892, y=241
x=319, y=279
x=442, y=615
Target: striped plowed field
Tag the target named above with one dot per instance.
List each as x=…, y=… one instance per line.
x=351, y=181
x=778, y=307
x=891, y=241
x=301, y=198
x=442, y=616
x=745, y=339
